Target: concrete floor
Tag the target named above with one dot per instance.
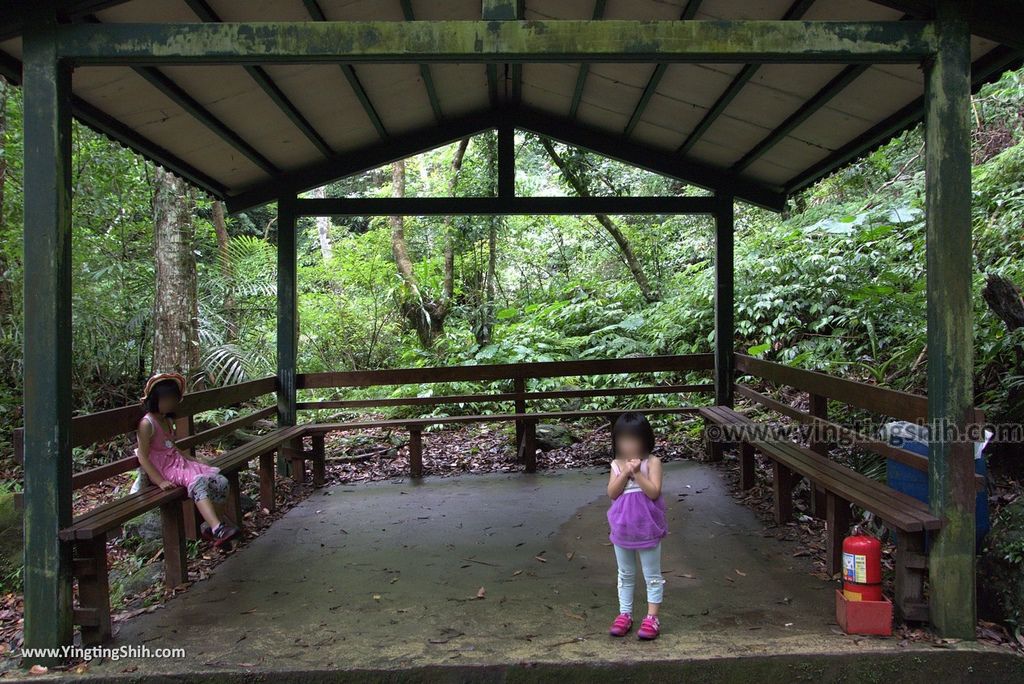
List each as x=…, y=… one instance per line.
x=386, y=576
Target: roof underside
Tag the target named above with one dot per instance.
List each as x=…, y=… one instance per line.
x=242, y=132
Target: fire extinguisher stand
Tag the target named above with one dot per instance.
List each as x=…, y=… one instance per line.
x=861, y=608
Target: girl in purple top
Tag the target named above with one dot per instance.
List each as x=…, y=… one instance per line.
x=637, y=520
x=168, y=468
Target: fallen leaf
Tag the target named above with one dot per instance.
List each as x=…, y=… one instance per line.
x=482, y=593
x=741, y=574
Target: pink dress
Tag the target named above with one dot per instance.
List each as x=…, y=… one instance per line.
x=170, y=462
x=636, y=521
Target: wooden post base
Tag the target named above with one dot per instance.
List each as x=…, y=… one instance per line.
x=90, y=569
x=234, y=502
x=292, y=451
x=714, y=448
x=319, y=461
x=837, y=522
x=415, y=452
x=267, y=474
x=529, y=453
x=911, y=568
x=783, y=480
x=747, y=463
x=175, y=556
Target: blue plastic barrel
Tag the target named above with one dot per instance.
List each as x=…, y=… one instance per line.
x=914, y=482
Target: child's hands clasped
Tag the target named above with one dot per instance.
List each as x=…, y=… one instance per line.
x=634, y=466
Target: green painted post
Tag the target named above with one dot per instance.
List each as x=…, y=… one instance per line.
x=724, y=315
x=287, y=320
x=498, y=10
x=47, y=349
x=506, y=161
x=950, y=329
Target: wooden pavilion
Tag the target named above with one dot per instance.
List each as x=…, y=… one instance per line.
x=259, y=101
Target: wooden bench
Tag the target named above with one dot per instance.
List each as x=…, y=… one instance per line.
x=905, y=515
x=526, y=437
x=89, y=531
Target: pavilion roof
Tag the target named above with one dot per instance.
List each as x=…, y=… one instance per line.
x=765, y=131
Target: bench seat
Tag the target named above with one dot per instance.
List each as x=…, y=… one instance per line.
x=907, y=516
x=526, y=424
x=89, y=531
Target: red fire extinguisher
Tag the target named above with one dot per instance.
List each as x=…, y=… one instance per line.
x=862, y=567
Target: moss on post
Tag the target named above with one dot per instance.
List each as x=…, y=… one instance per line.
x=47, y=352
x=950, y=330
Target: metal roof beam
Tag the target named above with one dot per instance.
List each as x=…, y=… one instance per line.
x=804, y=112
x=581, y=77
x=403, y=42
x=996, y=20
x=361, y=160
x=314, y=10
x=665, y=163
x=659, y=71
x=428, y=78
x=985, y=69
x=493, y=11
x=203, y=10
x=180, y=97
x=193, y=107
x=796, y=10
x=104, y=124
x=503, y=206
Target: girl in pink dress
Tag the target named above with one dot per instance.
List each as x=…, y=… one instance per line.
x=637, y=520
x=167, y=467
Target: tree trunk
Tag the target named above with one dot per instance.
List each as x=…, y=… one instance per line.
x=176, y=315
x=1004, y=299
x=484, y=327
x=449, y=236
x=5, y=290
x=220, y=226
x=632, y=263
x=323, y=227
x=425, y=315
x=417, y=311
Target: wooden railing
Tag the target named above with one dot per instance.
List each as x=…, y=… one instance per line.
x=517, y=373
x=821, y=388
x=98, y=427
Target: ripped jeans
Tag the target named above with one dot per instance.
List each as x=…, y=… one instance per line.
x=650, y=563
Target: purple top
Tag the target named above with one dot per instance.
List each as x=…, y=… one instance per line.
x=636, y=521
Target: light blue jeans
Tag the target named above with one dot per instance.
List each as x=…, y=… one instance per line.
x=650, y=564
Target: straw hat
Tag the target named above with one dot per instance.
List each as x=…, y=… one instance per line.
x=160, y=377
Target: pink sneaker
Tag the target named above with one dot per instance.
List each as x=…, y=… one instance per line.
x=649, y=628
x=223, y=534
x=622, y=625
